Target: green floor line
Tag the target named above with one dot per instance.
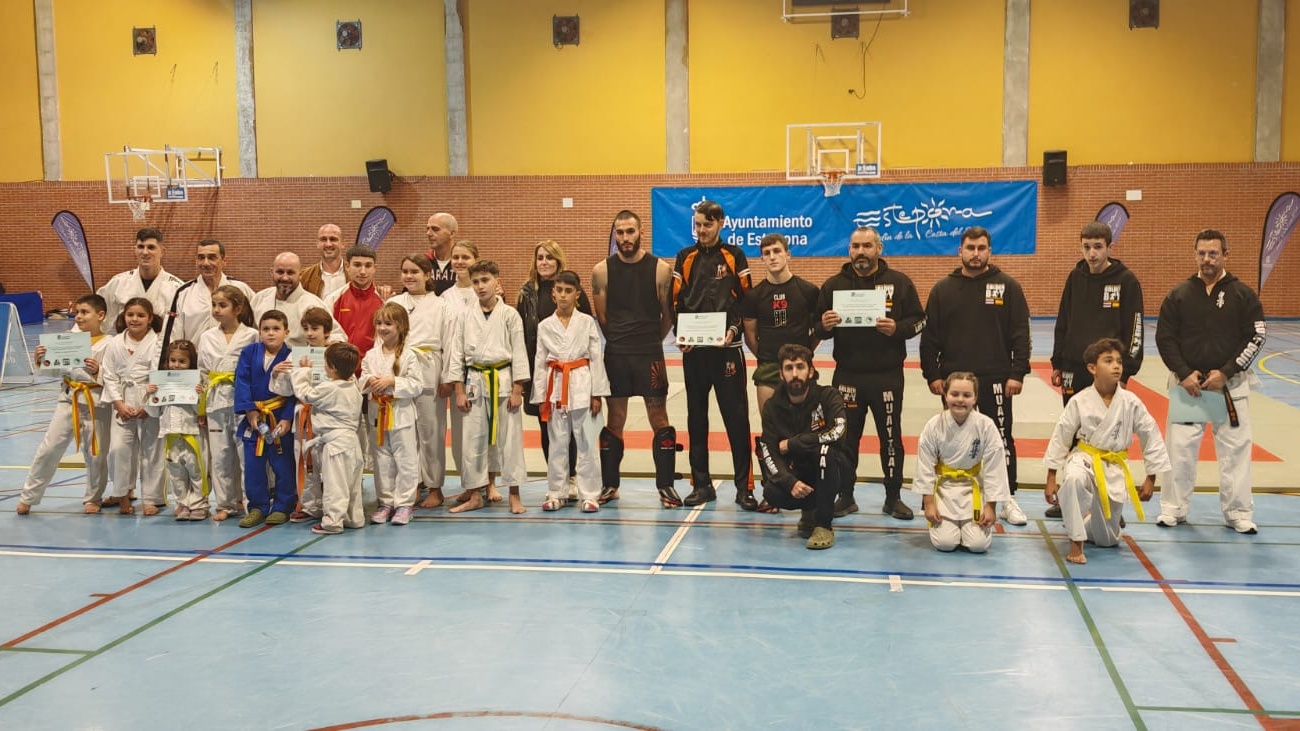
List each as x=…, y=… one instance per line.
x=47, y=650
x=1234, y=711
x=155, y=621
x=1097, y=641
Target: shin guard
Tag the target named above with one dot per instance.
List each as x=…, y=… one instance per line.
x=665, y=456
x=611, y=458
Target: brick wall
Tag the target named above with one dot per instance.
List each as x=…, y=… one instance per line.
x=506, y=216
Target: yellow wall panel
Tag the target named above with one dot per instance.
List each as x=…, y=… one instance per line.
x=1182, y=93
x=183, y=96
x=20, y=124
x=322, y=111
x=597, y=107
x=933, y=80
x=1291, y=85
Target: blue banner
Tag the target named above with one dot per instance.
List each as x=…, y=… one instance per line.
x=924, y=219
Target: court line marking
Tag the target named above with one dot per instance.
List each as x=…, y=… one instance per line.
x=123, y=592
x=151, y=623
x=418, y=567
x=1234, y=711
x=1270, y=356
x=1095, y=633
x=1220, y=661
x=50, y=650
x=676, y=540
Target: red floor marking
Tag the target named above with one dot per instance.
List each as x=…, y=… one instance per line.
x=485, y=714
x=123, y=592
x=1207, y=642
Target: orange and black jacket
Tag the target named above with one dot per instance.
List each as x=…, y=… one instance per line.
x=713, y=279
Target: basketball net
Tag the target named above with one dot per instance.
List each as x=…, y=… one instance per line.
x=831, y=182
x=138, y=206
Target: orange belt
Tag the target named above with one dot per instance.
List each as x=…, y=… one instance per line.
x=384, y=421
x=267, y=409
x=564, y=368
x=76, y=389
x=305, y=434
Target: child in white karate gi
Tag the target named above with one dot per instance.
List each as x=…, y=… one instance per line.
x=336, y=451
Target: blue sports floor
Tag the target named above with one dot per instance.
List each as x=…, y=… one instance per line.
x=637, y=617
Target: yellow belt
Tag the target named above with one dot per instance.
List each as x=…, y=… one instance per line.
x=564, y=368
x=193, y=443
x=267, y=409
x=215, y=378
x=491, y=373
x=384, y=420
x=972, y=474
x=76, y=389
x=1099, y=456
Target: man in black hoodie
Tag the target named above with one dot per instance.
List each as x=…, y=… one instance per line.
x=1102, y=299
x=802, y=453
x=869, y=362
x=977, y=320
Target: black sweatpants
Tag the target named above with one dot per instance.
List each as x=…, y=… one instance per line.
x=882, y=394
x=996, y=405
x=723, y=371
x=827, y=481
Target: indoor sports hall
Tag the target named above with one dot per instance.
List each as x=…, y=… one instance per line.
x=256, y=122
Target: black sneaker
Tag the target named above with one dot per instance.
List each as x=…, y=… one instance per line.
x=897, y=508
x=745, y=499
x=1053, y=511
x=844, y=505
x=701, y=495
x=669, y=498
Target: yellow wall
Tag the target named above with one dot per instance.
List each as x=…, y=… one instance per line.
x=184, y=96
x=1291, y=85
x=20, y=124
x=1182, y=93
x=322, y=111
x=933, y=80
x=597, y=107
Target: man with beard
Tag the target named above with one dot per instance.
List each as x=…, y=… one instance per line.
x=289, y=297
x=439, y=230
x=630, y=292
x=869, y=362
x=1211, y=329
x=148, y=279
x=977, y=320
x=190, y=314
x=778, y=310
x=711, y=276
x=803, y=455
x=1102, y=299
x=329, y=274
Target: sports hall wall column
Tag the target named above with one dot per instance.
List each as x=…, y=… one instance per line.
x=677, y=97
x=1270, y=57
x=245, y=104
x=1015, y=85
x=457, y=138
x=47, y=77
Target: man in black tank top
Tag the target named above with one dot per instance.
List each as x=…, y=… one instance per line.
x=631, y=296
x=439, y=230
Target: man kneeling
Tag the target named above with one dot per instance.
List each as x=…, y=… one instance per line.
x=802, y=452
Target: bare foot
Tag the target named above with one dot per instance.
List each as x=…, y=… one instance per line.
x=23, y=508
x=516, y=505
x=221, y=515
x=493, y=494
x=1076, y=553
x=465, y=496
x=124, y=506
x=433, y=499
x=90, y=508
x=115, y=501
x=473, y=501
x=150, y=509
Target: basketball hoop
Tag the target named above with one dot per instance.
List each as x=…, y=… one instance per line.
x=139, y=206
x=831, y=182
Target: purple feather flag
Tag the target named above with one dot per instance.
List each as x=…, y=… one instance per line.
x=1114, y=215
x=375, y=226
x=1278, y=225
x=69, y=229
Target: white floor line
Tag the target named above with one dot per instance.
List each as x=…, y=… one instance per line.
x=418, y=567
x=676, y=540
x=895, y=582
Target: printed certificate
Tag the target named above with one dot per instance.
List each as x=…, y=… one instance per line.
x=317, y=357
x=702, y=328
x=858, y=307
x=174, y=387
x=1208, y=408
x=64, y=350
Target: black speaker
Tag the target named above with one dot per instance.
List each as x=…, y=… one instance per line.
x=1143, y=14
x=1054, y=167
x=381, y=179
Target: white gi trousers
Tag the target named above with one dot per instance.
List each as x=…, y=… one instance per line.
x=477, y=457
x=1080, y=501
x=1232, y=446
x=309, y=497
x=338, y=464
x=584, y=429
x=57, y=438
x=397, y=467
x=183, y=473
x=137, y=452
x=952, y=533
x=226, y=460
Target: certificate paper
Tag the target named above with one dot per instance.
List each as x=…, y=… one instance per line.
x=858, y=307
x=317, y=357
x=1208, y=408
x=703, y=328
x=174, y=387
x=65, y=350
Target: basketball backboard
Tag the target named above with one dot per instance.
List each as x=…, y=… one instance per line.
x=160, y=176
x=850, y=148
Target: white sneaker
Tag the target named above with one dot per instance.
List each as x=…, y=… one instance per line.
x=1168, y=521
x=1243, y=525
x=1009, y=510
x=573, y=489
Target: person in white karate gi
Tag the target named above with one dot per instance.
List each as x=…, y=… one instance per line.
x=178, y=430
x=148, y=280
x=219, y=350
x=336, y=451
